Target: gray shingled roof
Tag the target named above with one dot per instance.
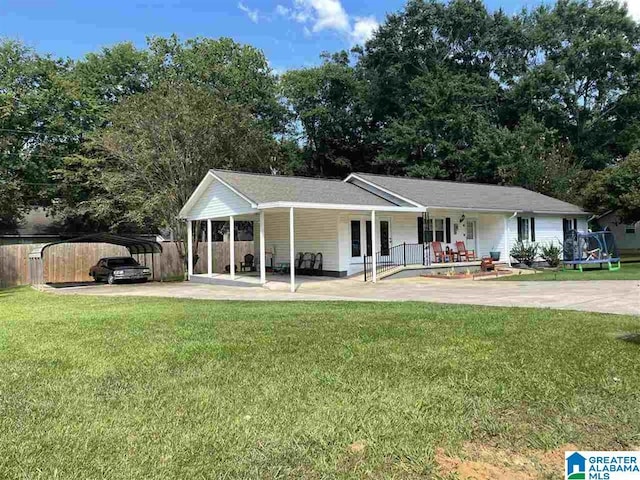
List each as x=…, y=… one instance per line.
x=445, y=194
x=275, y=188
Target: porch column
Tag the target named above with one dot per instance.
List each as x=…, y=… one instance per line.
x=232, y=247
x=189, y=249
x=263, y=254
x=209, y=249
x=292, y=252
x=374, y=257
x=506, y=239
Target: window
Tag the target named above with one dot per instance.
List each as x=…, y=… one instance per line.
x=356, y=251
x=439, y=229
x=630, y=229
x=471, y=230
x=384, y=237
x=429, y=231
x=526, y=229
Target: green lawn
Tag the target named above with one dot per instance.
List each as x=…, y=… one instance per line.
x=629, y=271
x=97, y=387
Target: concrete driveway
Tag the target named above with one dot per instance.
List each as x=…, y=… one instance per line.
x=607, y=296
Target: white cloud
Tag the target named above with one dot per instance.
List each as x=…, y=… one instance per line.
x=363, y=29
x=319, y=15
x=634, y=8
x=252, y=14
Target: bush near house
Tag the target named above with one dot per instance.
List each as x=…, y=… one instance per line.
x=551, y=254
x=525, y=252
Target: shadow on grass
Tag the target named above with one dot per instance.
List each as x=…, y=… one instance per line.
x=630, y=338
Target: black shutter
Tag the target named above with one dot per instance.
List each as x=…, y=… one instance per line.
x=448, y=229
x=420, y=230
x=575, y=224
x=533, y=229
x=519, y=229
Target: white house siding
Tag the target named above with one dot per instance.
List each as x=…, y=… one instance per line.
x=548, y=228
x=315, y=231
x=404, y=228
x=219, y=201
x=624, y=240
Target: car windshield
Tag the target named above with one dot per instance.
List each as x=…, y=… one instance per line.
x=122, y=262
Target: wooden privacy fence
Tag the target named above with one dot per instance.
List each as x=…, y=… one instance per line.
x=70, y=262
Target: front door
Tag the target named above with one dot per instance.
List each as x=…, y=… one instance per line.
x=471, y=236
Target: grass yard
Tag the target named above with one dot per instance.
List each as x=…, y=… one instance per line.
x=629, y=271
x=97, y=387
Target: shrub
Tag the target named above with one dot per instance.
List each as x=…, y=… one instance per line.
x=551, y=254
x=524, y=252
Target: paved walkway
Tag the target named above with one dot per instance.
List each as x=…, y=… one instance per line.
x=607, y=296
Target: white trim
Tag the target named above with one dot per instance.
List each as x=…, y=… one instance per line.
x=382, y=189
x=190, y=248
x=208, y=178
x=374, y=260
x=292, y=255
x=209, y=249
x=232, y=247
x=337, y=206
x=234, y=190
x=263, y=253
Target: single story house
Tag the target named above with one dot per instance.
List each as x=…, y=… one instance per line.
x=627, y=235
x=348, y=220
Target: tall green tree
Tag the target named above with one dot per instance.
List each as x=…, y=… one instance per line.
x=157, y=148
x=330, y=105
x=41, y=121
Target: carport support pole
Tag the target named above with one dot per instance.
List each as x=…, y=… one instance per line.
x=232, y=247
x=189, y=249
x=209, y=249
x=374, y=257
x=263, y=255
x=292, y=254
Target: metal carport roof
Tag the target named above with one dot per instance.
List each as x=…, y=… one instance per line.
x=135, y=245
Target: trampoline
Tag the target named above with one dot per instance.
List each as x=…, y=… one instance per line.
x=590, y=248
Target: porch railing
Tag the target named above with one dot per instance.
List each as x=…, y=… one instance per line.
x=397, y=256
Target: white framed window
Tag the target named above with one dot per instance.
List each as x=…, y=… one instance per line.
x=526, y=229
x=630, y=229
x=438, y=228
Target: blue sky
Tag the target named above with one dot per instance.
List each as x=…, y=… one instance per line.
x=292, y=33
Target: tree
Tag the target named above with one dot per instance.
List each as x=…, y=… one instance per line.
x=159, y=146
x=329, y=102
x=41, y=121
x=582, y=76
x=616, y=188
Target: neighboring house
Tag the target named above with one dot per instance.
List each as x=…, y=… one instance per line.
x=349, y=219
x=627, y=235
x=36, y=227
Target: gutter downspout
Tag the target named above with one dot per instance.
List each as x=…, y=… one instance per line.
x=506, y=236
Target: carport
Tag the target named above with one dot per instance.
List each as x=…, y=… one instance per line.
x=135, y=245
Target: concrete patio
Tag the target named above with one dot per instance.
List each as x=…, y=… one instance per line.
x=606, y=296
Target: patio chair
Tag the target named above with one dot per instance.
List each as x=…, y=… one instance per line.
x=299, y=258
x=317, y=264
x=248, y=264
x=439, y=255
x=468, y=255
x=306, y=266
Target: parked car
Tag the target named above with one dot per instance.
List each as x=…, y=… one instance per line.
x=114, y=269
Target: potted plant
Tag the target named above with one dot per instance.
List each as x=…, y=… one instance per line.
x=495, y=254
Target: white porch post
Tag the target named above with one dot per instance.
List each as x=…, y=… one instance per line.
x=374, y=258
x=209, y=249
x=506, y=239
x=232, y=247
x=189, y=249
x=292, y=254
x=263, y=255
